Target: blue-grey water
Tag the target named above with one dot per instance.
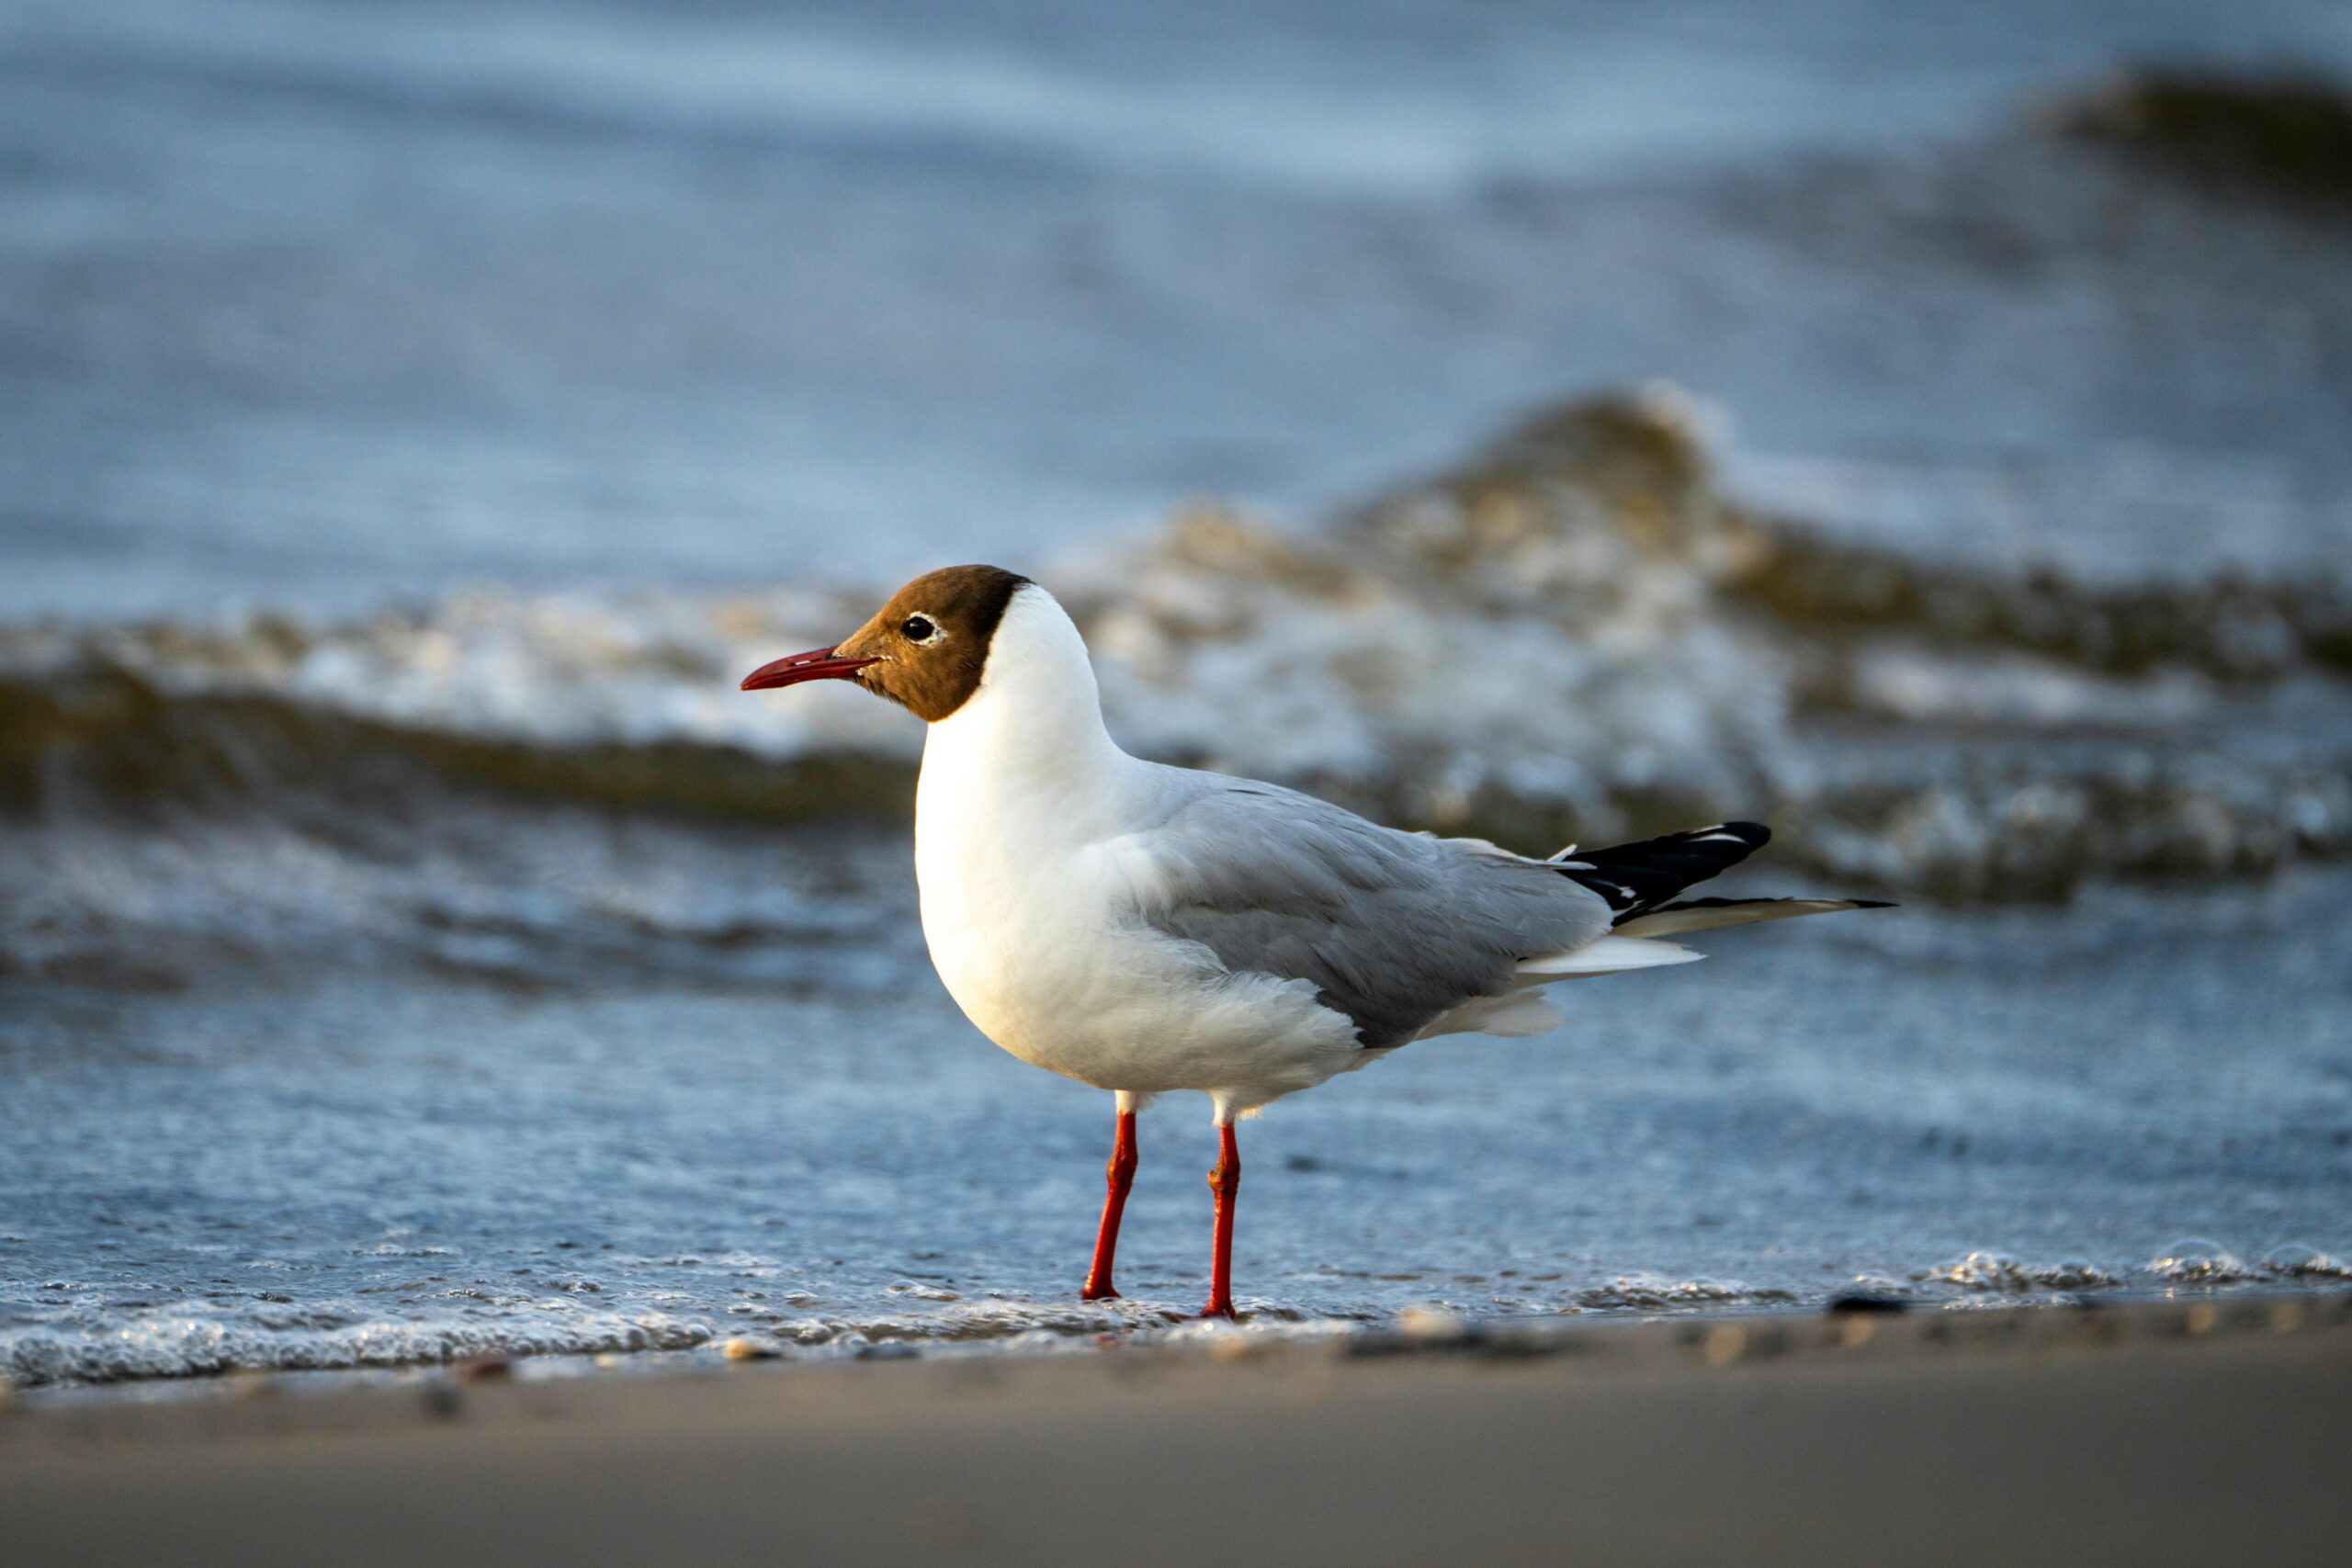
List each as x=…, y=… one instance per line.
x=413, y=420
x=356, y=1168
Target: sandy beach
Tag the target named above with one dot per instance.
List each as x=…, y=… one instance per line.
x=2197, y=1431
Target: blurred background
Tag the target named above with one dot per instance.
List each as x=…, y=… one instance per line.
x=1929, y=429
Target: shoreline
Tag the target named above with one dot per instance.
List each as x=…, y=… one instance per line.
x=1648, y=1332
x=2149, y=1431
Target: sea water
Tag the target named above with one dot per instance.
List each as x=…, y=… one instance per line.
x=413, y=945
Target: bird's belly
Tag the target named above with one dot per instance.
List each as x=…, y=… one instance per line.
x=1072, y=984
x=1048, y=1005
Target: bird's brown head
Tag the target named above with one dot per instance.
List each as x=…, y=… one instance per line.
x=926, y=650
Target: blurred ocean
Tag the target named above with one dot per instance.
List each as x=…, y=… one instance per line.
x=307, y=306
x=414, y=419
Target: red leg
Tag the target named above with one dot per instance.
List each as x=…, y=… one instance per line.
x=1226, y=1183
x=1121, y=1172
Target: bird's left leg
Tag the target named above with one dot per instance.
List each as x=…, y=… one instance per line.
x=1226, y=1183
x=1121, y=1175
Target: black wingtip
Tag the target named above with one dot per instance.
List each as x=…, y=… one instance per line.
x=1638, y=877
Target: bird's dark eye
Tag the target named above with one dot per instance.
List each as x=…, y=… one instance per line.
x=916, y=628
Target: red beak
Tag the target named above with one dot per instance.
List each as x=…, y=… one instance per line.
x=816, y=664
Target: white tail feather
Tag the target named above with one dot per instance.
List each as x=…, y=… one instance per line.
x=1612, y=955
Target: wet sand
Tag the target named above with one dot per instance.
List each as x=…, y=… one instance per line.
x=2197, y=1431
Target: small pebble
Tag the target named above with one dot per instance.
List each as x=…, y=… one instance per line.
x=1432, y=1323
x=739, y=1349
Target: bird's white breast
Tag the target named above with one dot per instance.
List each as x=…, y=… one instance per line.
x=1016, y=912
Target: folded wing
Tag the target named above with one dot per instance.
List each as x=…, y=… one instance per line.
x=1396, y=931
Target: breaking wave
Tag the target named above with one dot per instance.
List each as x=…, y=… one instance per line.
x=1995, y=1273
x=1573, y=635
x=174, y=1348
x=1653, y=1291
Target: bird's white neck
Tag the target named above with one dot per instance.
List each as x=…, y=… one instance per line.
x=1033, y=727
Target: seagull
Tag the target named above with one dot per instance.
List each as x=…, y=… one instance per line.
x=1143, y=929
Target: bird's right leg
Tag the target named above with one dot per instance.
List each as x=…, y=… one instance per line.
x=1121, y=1173
x=1225, y=1182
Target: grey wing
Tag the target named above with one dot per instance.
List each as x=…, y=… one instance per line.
x=1392, y=928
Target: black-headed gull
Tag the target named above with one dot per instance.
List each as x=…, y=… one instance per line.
x=1144, y=928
